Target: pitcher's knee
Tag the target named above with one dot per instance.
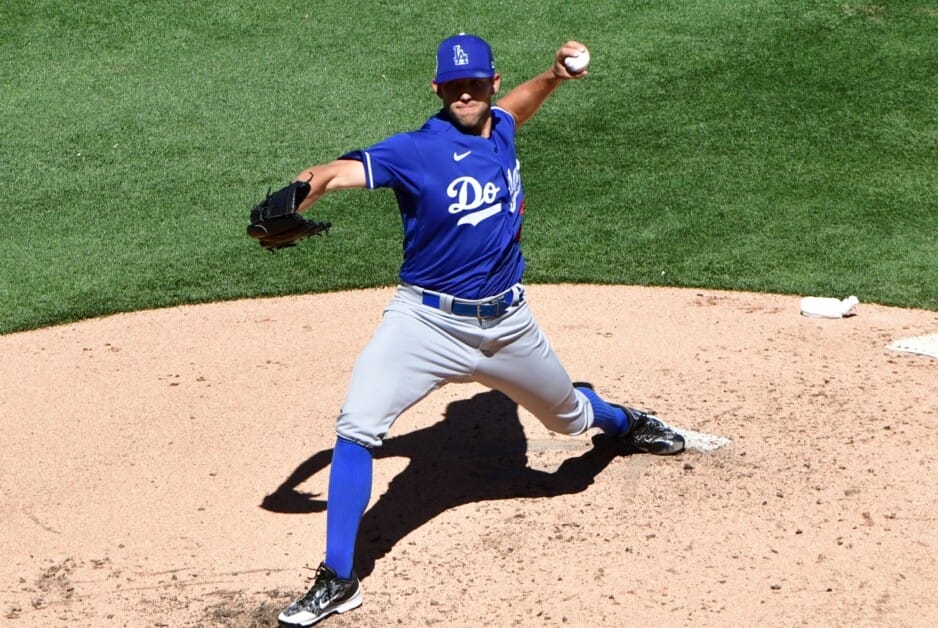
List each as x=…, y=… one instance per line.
x=365, y=432
x=571, y=418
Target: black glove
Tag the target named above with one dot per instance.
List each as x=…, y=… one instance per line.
x=275, y=222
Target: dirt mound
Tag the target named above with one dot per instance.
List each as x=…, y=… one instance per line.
x=170, y=466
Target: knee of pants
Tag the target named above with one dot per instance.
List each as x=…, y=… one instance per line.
x=572, y=418
x=362, y=430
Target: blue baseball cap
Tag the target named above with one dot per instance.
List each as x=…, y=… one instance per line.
x=463, y=56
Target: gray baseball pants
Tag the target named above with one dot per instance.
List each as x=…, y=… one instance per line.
x=418, y=348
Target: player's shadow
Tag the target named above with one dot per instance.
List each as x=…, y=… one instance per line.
x=478, y=452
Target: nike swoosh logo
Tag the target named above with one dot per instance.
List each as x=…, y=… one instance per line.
x=461, y=156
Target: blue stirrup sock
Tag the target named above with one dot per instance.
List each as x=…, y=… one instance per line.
x=607, y=417
x=349, y=491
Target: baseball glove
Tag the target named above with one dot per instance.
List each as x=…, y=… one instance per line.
x=276, y=224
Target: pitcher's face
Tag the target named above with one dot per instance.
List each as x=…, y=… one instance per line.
x=468, y=102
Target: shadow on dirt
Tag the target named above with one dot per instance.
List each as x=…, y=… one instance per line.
x=478, y=452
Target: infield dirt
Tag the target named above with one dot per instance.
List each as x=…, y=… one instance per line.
x=169, y=468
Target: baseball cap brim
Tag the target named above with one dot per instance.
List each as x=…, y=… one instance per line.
x=446, y=77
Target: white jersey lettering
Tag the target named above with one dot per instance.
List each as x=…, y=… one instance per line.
x=514, y=185
x=476, y=217
x=470, y=195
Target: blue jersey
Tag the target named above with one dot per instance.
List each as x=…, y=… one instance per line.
x=461, y=204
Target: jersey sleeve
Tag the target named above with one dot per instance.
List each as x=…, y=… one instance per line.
x=391, y=163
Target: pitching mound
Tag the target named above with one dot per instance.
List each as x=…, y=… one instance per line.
x=169, y=468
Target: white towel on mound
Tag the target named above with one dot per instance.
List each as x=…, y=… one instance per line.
x=827, y=307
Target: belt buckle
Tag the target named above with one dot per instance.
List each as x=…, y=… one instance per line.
x=496, y=304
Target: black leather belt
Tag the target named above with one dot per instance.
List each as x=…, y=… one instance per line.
x=492, y=308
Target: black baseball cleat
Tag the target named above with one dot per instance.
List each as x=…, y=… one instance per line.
x=329, y=594
x=650, y=434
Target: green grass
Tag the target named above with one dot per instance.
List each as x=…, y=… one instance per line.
x=780, y=147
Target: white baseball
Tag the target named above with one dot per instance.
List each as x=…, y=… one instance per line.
x=578, y=62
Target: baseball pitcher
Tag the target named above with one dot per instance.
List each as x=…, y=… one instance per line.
x=460, y=311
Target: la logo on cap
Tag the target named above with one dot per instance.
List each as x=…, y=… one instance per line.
x=460, y=56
